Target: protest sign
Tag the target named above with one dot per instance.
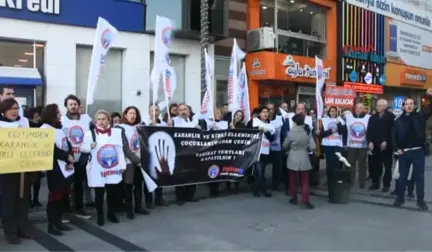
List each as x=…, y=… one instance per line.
x=179, y=156
x=26, y=150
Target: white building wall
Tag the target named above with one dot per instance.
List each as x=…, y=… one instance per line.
x=60, y=60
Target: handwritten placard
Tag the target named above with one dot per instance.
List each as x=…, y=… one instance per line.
x=26, y=150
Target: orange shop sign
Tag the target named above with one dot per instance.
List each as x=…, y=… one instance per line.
x=365, y=88
x=413, y=77
x=279, y=66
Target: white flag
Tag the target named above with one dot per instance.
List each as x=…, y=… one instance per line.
x=161, y=60
x=236, y=56
x=169, y=78
x=244, y=93
x=320, y=78
x=105, y=35
x=207, y=105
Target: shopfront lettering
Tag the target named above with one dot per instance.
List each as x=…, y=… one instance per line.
x=395, y=9
x=416, y=77
x=366, y=53
x=36, y=6
x=296, y=70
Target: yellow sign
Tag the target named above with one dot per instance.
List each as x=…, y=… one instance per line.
x=26, y=150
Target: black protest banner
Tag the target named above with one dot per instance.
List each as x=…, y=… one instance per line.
x=179, y=156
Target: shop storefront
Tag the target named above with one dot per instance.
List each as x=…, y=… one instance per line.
x=383, y=54
x=302, y=31
x=57, y=38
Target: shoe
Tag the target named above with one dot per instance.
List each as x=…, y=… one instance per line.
x=293, y=201
x=63, y=227
x=36, y=203
x=53, y=230
x=180, y=202
x=386, y=189
x=130, y=215
x=101, y=220
x=112, y=218
x=422, y=205
x=161, y=202
x=15, y=240
x=373, y=187
x=398, y=203
x=82, y=214
x=266, y=194
x=26, y=235
x=308, y=206
x=142, y=211
x=64, y=221
x=149, y=205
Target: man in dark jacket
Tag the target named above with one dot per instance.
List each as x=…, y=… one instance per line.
x=409, y=141
x=379, y=139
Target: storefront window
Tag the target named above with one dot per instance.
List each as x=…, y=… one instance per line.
x=108, y=94
x=267, y=13
x=171, y=9
x=27, y=54
x=301, y=47
x=178, y=62
x=221, y=93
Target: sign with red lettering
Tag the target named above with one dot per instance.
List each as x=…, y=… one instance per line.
x=365, y=88
x=339, y=97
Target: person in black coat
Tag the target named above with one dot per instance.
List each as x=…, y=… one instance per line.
x=380, y=142
x=58, y=185
x=409, y=140
x=33, y=115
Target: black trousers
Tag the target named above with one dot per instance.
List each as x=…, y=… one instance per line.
x=214, y=188
x=112, y=199
x=80, y=177
x=15, y=209
x=379, y=160
x=276, y=159
x=149, y=196
x=411, y=184
x=185, y=193
x=285, y=174
x=36, y=188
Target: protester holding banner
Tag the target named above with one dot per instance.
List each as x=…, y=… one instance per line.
x=75, y=125
x=106, y=165
x=132, y=177
x=262, y=123
x=217, y=124
x=172, y=110
x=331, y=131
x=15, y=204
x=298, y=143
x=154, y=112
x=185, y=120
x=60, y=178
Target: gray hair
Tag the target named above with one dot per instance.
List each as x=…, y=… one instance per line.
x=383, y=102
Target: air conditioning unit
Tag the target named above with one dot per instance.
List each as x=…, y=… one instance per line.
x=260, y=39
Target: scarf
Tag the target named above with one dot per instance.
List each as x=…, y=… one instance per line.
x=99, y=130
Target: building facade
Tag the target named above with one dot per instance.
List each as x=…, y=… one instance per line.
x=385, y=49
x=56, y=37
x=304, y=29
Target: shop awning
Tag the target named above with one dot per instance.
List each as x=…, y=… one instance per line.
x=20, y=76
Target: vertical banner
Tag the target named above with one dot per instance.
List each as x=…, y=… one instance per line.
x=244, y=93
x=161, y=59
x=105, y=35
x=320, y=78
x=236, y=56
x=207, y=105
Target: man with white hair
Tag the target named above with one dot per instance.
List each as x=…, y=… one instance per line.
x=379, y=137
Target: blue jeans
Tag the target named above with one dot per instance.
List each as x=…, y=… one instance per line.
x=332, y=161
x=417, y=159
x=259, y=176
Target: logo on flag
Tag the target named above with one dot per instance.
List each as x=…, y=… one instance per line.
x=106, y=38
x=168, y=86
x=166, y=35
